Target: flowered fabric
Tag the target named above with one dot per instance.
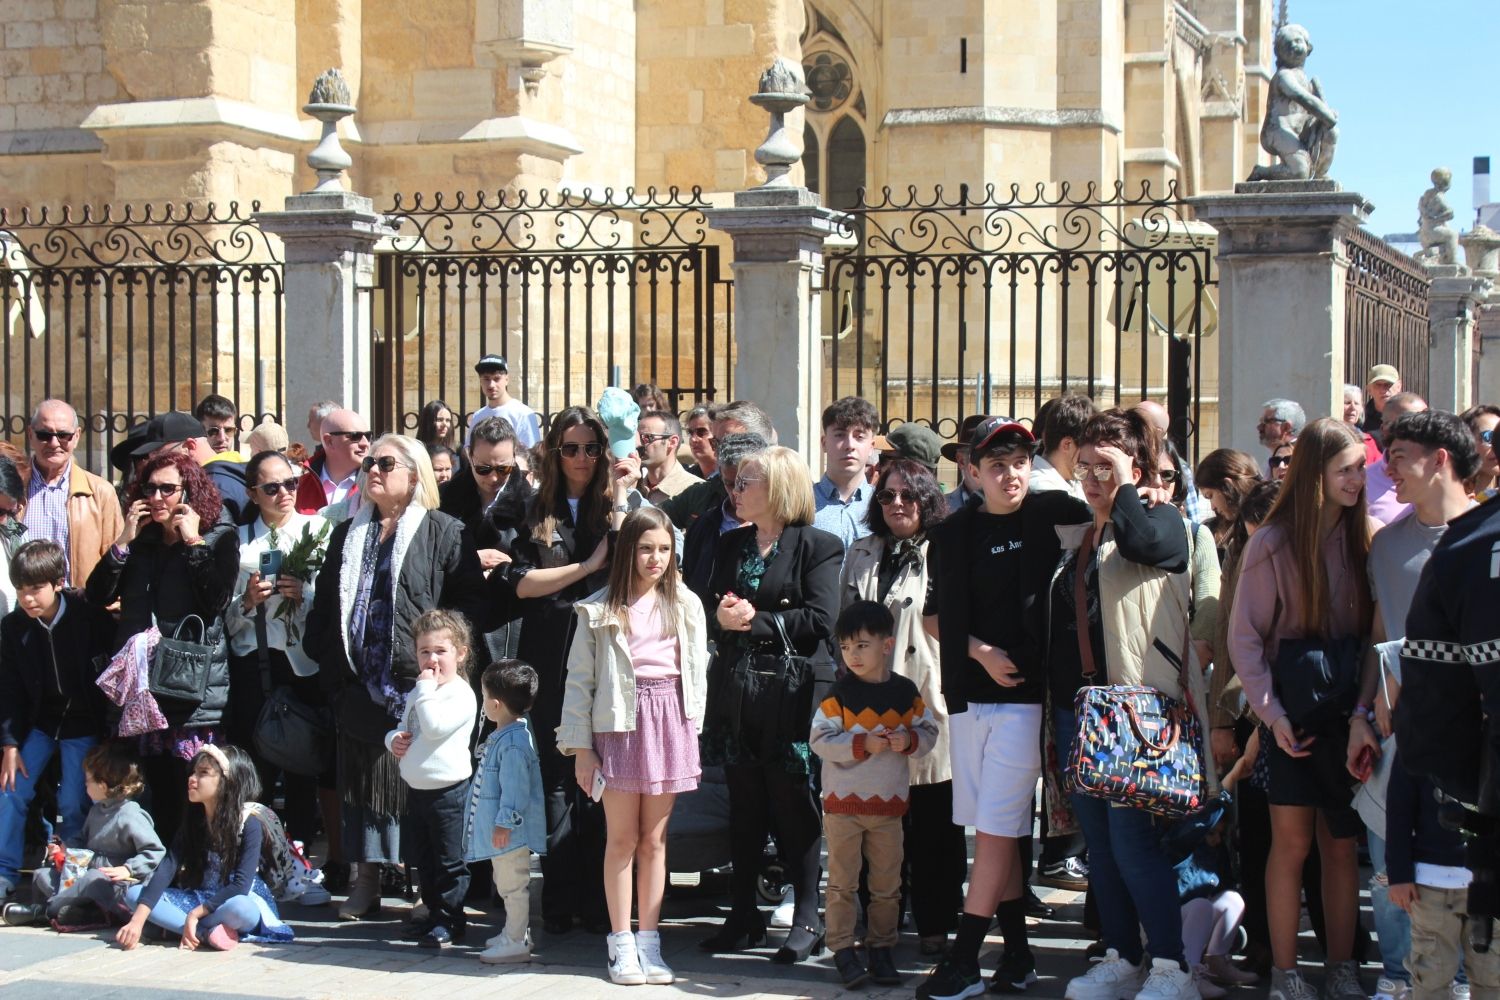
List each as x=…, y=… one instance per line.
x=126, y=683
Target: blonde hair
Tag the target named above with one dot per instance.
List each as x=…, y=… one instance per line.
x=414, y=456
x=452, y=622
x=789, y=491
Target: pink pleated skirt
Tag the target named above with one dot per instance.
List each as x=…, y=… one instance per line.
x=660, y=755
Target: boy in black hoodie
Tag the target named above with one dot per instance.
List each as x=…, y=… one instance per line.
x=51, y=650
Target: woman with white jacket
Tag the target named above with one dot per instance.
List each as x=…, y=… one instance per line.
x=264, y=623
x=632, y=710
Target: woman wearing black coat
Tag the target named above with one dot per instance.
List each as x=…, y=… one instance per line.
x=777, y=564
x=177, y=557
x=396, y=558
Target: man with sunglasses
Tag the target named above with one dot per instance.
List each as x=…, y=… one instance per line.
x=331, y=477
x=490, y=496
x=65, y=503
x=220, y=418
x=662, y=475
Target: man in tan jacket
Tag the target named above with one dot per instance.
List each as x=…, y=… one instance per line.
x=66, y=503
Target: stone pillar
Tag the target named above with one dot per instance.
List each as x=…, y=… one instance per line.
x=1282, y=273
x=1482, y=247
x=1452, y=308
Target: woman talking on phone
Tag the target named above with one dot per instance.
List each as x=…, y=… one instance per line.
x=177, y=557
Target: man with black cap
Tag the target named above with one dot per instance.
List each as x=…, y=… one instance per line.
x=991, y=564
x=494, y=382
x=179, y=432
x=957, y=452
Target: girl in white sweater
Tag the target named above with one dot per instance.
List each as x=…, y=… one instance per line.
x=433, y=744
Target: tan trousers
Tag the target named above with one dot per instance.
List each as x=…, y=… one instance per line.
x=513, y=882
x=1439, y=935
x=853, y=840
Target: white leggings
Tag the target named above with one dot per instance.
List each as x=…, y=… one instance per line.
x=1208, y=925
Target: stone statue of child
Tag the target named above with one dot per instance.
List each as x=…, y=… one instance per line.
x=1439, y=240
x=1299, y=126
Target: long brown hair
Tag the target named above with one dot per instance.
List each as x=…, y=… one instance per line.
x=618, y=592
x=552, y=485
x=1232, y=474
x=1297, y=512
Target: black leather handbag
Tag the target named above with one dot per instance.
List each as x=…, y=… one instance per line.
x=764, y=699
x=181, y=667
x=289, y=733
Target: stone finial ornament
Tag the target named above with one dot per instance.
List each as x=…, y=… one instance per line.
x=1299, y=125
x=782, y=89
x=1439, y=240
x=329, y=103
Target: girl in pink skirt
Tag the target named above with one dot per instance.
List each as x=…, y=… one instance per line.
x=637, y=676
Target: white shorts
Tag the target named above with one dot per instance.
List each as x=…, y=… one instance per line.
x=996, y=752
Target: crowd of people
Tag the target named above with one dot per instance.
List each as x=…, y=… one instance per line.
x=446, y=653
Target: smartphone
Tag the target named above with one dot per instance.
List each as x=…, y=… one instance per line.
x=270, y=564
x=597, y=792
x=1364, y=764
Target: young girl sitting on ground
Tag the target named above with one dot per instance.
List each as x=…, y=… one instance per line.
x=207, y=889
x=637, y=676
x=433, y=744
x=122, y=839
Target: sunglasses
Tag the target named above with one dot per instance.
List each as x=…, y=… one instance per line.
x=385, y=463
x=887, y=497
x=742, y=484
x=650, y=439
x=218, y=432
x=701, y=432
x=277, y=488
x=1103, y=473
x=490, y=470
x=63, y=436
x=353, y=437
x=165, y=490
x=1167, y=475
x=1277, y=461
x=570, y=450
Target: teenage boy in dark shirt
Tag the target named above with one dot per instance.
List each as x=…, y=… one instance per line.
x=992, y=565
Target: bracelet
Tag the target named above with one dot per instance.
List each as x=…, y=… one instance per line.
x=120, y=552
x=621, y=508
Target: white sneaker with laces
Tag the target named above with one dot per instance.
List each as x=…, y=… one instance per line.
x=501, y=949
x=1458, y=991
x=1111, y=978
x=1207, y=988
x=300, y=890
x=1393, y=989
x=648, y=952
x=1168, y=981
x=785, y=910
x=624, y=963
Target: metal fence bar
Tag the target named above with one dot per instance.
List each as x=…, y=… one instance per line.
x=1386, y=312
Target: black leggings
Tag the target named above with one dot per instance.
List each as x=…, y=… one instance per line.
x=768, y=799
x=936, y=859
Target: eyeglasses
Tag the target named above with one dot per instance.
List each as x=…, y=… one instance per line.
x=1167, y=475
x=353, y=437
x=1102, y=472
x=1277, y=461
x=9, y=513
x=166, y=490
x=385, y=463
x=742, y=484
x=700, y=432
x=490, y=470
x=887, y=497
x=570, y=450
x=276, y=488
x=649, y=439
x=1268, y=421
x=47, y=436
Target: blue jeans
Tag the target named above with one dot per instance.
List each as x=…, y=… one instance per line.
x=1392, y=925
x=239, y=913
x=72, y=796
x=1132, y=880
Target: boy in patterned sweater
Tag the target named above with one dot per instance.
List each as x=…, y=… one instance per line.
x=869, y=724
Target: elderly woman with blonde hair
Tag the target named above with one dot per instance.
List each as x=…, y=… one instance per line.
x=396, y=558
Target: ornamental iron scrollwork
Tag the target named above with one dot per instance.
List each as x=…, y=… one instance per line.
x=168, y=234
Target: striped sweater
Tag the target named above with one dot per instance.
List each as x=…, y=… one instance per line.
x=856, y=782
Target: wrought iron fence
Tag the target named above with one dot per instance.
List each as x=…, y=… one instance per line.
x=577, y=291
x=1385, y=312
x=134, y=311
x=996, y=300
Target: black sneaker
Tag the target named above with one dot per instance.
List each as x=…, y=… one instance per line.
x=1016, y=971
x=852, y=971
x=1069, y=873
x=952, y=980
x=883, y=969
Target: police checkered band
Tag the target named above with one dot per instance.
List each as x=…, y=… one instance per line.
x=1483, y=654
x=1433, y=651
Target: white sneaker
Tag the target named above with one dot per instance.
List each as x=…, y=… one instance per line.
x=1207, y=988
x=1458, y=991
x=658, y=973
x=500, y=950
x=785, y=910
x=1168, y=981
x=300, y=890
x=1394, y=989
x=1111, y=978
x=624, y=964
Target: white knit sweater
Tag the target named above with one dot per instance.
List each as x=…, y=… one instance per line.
x=440, y=719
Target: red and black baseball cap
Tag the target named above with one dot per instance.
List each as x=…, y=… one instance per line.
x=991, y=429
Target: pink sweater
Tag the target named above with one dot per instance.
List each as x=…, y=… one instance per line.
x=1268, y=570
x=652, y=653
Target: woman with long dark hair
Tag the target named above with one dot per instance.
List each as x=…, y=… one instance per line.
x=1303, y=576
x=1225, y=477
x=176, y=559
x=560, y=557
x=890, y=566
x=437, y=427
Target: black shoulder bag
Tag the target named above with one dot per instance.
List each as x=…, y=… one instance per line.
x=289, y=733
x=766, y=698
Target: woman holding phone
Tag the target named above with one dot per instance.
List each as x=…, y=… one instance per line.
x=175, y=559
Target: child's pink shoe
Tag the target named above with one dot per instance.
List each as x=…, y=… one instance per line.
x=221, y=938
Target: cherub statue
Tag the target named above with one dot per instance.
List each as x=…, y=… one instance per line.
x=1299, y=126
x=1439, y=240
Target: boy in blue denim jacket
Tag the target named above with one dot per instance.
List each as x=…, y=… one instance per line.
x=506, y=821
